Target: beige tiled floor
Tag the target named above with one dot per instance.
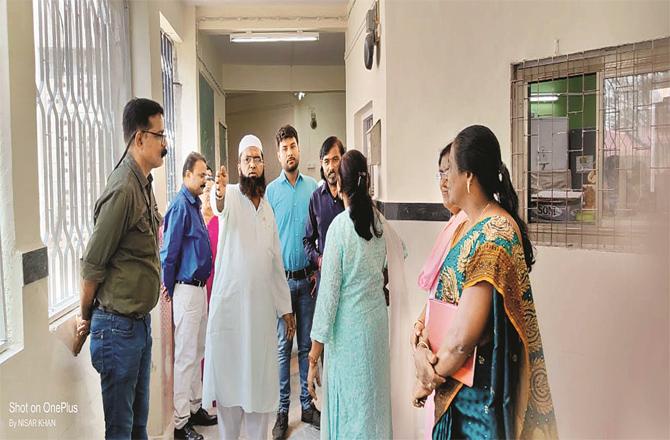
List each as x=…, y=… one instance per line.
x=297, y=430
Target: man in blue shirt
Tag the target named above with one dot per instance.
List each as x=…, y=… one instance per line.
x=289, y=196
x=186, y=259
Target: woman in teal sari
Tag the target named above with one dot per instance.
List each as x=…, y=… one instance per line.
x=486, y=274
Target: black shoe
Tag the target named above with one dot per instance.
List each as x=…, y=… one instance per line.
x=281, y=426
x=188, y=433
x=202, y=418
x=312, y=416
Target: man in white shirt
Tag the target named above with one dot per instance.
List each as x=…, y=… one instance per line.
x=249, y=293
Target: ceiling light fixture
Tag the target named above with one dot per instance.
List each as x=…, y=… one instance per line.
x=273, y=37
x=543, y=97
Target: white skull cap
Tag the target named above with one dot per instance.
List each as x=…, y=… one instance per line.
x=247, y=141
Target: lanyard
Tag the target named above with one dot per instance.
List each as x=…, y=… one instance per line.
x=147, y=198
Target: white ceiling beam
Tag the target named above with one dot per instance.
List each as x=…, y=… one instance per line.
x=226, y=25
x=272, y=17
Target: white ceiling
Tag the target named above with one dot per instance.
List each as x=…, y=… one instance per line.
x=267, y=2
x=329, y=50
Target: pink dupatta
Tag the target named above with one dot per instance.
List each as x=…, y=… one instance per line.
x=431, y=268
x=213, y=230
x=430, y=273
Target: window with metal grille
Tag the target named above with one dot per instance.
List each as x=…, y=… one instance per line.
x=367, y=125
x=591, y=145
x=168, y=72
x=82, y=74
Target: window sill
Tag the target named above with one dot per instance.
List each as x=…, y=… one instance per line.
x=64, y=312
x=63, y=318
x=587, y=236
x=64, y=327
x=8, y=351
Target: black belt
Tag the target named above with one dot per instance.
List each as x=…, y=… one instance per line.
x=298, y=274
x=196, y=283
x=114, y=312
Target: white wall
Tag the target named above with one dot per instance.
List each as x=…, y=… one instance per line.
x=281, y=78
x=330, y=113
x=263, y=113
x=604, y=322
x=445, y=65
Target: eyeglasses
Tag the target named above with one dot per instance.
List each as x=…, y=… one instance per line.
x=161, y=136
x=257, y=160
x=441, y=175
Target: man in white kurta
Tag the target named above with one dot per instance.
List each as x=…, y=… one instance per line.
x=249, y=293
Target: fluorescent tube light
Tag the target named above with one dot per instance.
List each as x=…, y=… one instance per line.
x=273, y=37
x=544, y=97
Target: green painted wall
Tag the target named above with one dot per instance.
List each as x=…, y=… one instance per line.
x=206, y=95
x=577, y=99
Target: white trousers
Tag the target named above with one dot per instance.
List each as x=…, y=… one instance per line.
x=230, y=423
x=189, y=311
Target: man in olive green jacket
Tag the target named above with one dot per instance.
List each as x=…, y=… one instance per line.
x=120, y=273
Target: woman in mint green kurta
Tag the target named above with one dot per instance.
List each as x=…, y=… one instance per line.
x=351, y=319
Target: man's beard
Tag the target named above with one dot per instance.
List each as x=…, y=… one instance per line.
x=333, y=177
x=252, y=187
x=291, y=168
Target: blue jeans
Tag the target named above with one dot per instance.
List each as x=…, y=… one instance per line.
x=121, y=354
x=303, y=308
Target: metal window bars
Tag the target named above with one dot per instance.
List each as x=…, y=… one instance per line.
x=368, y=122
x=82, y=74
x=168, y=75
x=591, y=145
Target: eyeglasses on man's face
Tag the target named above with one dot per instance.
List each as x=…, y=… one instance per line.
x=257, y=160
x=161, y=136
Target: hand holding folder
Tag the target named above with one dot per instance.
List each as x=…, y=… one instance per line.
x=439, y=318
x=81, y=330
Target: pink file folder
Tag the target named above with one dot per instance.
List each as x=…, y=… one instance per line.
x=439, y=317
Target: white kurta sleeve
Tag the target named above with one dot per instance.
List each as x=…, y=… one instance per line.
x=280, y=291
x=327, y=302
x=226, y=205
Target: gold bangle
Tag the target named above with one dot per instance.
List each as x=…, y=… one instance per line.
x=418, y=321
x=423, y=344
x=313, y=361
